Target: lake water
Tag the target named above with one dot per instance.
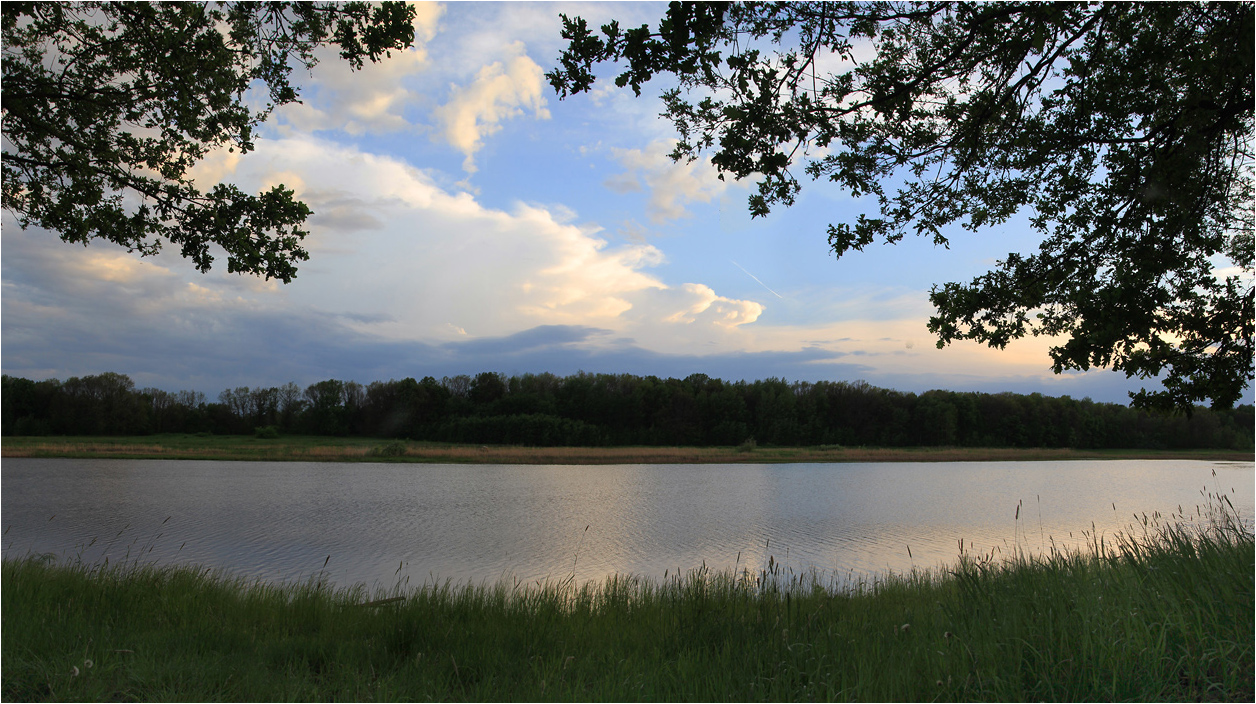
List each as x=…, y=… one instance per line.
x=380, y=524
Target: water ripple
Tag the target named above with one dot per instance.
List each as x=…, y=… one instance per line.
x=381, y=524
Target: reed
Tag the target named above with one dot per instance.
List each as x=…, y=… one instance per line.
x=1162, y=612
x=332, y=452
x=78, y=448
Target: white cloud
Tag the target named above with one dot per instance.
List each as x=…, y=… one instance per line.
x=373, y=99
x=445, y=269
x=404, y=259
x=476, y=33
x=671, y=185
x=500, y=91
x=394, y=257
x=217, y=165
x=427, y=16
x=704, y=303
x=891, y=337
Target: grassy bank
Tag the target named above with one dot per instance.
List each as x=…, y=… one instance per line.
x=330, y=449
x=1165, y=615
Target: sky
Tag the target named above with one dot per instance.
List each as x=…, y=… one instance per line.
x=467, y=220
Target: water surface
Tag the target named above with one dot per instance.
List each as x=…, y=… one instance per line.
x=382, y=523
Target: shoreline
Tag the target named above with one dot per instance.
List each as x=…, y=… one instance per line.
x=331, y=449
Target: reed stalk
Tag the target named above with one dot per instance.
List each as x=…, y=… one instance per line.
x=1162, y=612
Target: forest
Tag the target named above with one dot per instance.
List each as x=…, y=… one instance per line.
x=615, y=409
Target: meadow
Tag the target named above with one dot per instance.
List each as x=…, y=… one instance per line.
x=1163, y=611
x=348, y=449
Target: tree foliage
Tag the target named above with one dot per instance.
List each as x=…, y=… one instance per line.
x=615, y=409
x=108, y=105
x=1124, y=130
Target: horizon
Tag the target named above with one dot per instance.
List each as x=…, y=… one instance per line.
x=209, y=397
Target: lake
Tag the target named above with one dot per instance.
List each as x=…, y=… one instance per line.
x=380, y=524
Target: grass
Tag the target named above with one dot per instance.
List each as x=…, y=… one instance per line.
x=1164, y=612
x=330, y=449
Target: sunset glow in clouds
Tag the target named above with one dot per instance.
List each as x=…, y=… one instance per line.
x=466, y=220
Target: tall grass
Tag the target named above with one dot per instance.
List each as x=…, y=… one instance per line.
x=1162, y=612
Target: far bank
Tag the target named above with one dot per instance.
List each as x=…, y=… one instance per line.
x=330, y=449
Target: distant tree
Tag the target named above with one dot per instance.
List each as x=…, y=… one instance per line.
x=431, y=402
x=353, y=399
x=27, y=405
x=935, y=420
x=107, y=105
x=291, y=404
x=264, y=405
x=486, y=388
x=103, y=404
x=325, y=412
x=621, y=409
x=385, y=412
x=458, y=386
x=1123, y=129
x=239, y=402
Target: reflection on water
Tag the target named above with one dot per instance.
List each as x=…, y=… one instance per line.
x=381, y=523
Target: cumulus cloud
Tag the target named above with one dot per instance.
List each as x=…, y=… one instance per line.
x=339, y=211
x=500, y=91
x=394, y=256
x=363, y=313
x=373, y=99
x=700, y=302
x=427, y=16
x=215, y=168
x=671, y=185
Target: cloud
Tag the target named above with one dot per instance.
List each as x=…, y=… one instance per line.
x=427, y=16
x=698, y=301
x=73, y=311
x=210, y=342
x=339, y=211
x=500, y=91
x=409, y=279
x=215, y=168
x=671, y=185
x=623, y=183
x=410, y=276
x=540, y=338
x=442, y=261
x=396, y=257
x=373, y=99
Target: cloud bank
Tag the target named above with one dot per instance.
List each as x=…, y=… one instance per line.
x=408, y=278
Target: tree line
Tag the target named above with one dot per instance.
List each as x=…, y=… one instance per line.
x=614, y=409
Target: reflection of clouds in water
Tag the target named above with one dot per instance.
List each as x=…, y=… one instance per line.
x=281, y=521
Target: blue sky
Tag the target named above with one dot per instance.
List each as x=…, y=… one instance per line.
x=466, y=220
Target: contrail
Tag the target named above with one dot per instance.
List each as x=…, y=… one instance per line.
x=774, y=293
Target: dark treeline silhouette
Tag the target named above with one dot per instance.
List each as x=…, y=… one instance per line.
x=615, y=409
